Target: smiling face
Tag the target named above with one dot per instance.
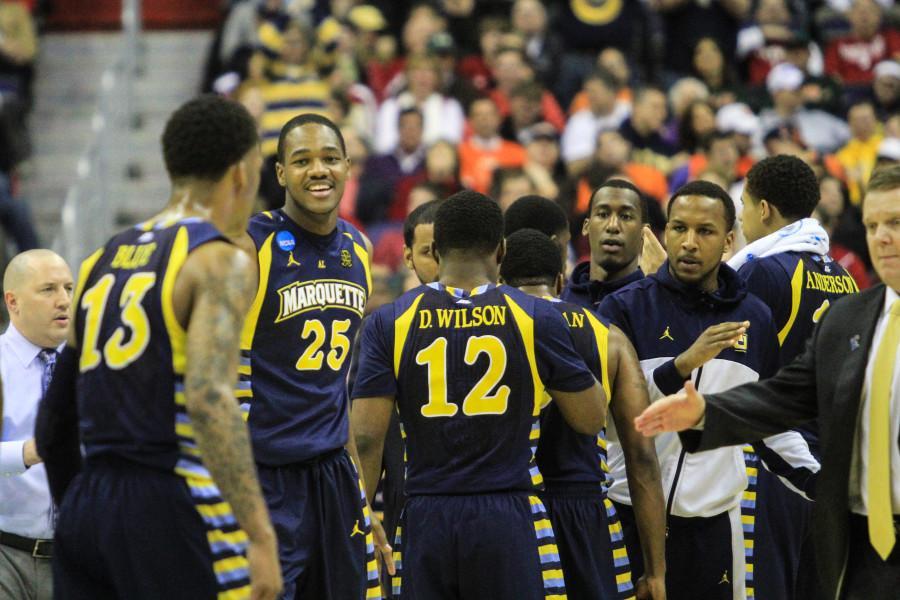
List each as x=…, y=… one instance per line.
x=313, y=172
x=39, y=299
x=881, y=218
x=696, y=237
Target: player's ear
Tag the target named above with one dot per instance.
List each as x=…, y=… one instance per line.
x=501, y=251
x=279, y=173
x=586, y=226
x=729, y=241
x=407, y=257
x=238, y=173
x=765, y=210
x=12, y=303
x=560, y=283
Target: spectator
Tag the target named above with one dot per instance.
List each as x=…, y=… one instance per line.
x=479, y=68
x=685, y=22
x=383, y=172
x=510, y=68
x=588, y=27
x=859, y=154
x=423, y=21
x=886, y=88
x=509, y=184
x=819, y=90
x=611, y=60
x=612, y=155
x=604, y=112
x=762, y=43
x=846, y=234
x=443, y=48
x=524, y=110
x=738, y=120
x=290, y=85
x=682, y=94
x=643, y=129
x=543, y=48
x=717, y=154
x=852, y=58
x=441, y=171
x=818, y=129
x=16, y=218
x=698, y=121
x=542, y=158
x=443, y=116
x=358, y=153
x=710, y=67
x=485, y=150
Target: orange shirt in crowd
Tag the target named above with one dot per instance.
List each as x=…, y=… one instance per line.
x=550, y=109
x=580, y=101
x=477, y=161
x=649, y=180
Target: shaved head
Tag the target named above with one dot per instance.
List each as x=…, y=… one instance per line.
x=37, y=288
x=25, y=264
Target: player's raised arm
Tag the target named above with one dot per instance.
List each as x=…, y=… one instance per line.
x=215, y=278
x=629, y=399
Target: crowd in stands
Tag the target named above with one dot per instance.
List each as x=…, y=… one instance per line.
x=18, y=49
x=515, y=97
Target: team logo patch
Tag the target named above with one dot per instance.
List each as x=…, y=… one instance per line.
x=346, y=259
x=285, y=240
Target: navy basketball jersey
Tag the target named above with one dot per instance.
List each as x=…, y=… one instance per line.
x=297, y=339
x=130, y=386
x=565, y=456
x=468, y=371
x=798, y=287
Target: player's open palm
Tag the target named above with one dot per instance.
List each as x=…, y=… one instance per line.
x=673, y=413
x=653, y=255
x=710, y=343
x=265, y=570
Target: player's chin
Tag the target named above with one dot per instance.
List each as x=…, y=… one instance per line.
x=321, y=206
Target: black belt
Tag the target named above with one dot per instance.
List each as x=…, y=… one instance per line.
x=37, y=548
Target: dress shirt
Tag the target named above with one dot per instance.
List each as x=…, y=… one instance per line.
x=24, y=496
x=859, y=469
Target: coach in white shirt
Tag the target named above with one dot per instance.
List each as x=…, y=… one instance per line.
x=37, y=288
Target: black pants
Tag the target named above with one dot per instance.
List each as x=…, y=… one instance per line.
x=699, y=561
x=867, y=576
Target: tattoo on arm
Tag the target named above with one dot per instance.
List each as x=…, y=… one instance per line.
x=221, y=297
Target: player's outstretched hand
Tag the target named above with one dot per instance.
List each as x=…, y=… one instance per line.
x=673, y=413
x=650, y=588
x=382, y=548
x=653, y=255
x=265, y=570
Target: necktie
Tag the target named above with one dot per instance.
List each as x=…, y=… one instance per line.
x=878, y=494
x=48, y=359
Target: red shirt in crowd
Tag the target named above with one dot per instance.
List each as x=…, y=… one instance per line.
x=853, y=60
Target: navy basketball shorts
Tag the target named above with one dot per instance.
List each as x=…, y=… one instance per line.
x=780, y=525
x=325, y=544
x=128, y=531
x=703, y=557
x=591, y=545
x=497, y=546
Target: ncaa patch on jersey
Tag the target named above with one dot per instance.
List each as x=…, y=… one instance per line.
x=285, y=240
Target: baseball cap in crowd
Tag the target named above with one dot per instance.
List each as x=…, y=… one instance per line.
x=889, y=149
x=538, y=131
x=441, y=43
x=784, y=77
x=737, y=118
x=887, y=68
x=366, y=17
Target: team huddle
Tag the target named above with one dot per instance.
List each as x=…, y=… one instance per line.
x=491, y=409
